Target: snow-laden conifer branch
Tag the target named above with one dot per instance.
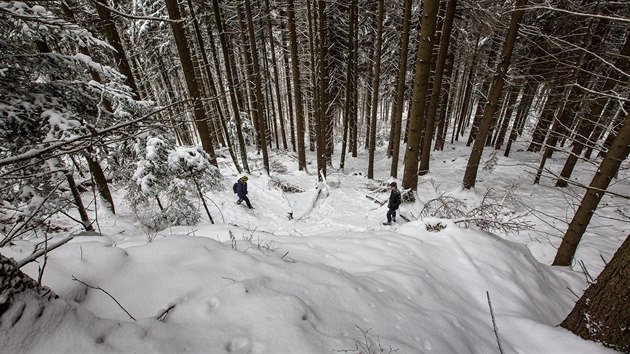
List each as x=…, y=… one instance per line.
x=33, y=153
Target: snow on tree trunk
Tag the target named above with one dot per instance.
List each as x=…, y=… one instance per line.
x=603, y=312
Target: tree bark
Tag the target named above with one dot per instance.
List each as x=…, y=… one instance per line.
x=297, y=90
x=258, y=95
x=472, y=167
x=420, y=89
x=376, y=82
x=589, y=123
x=108, y=28
x=350, y=81
x=100, y=180
x=274, y=64
x=437, y=86
x=228, y=72
x=211, y=85
x=400, y=90
x=594, y=193
x=603, y=313
x=85, y=219
x=191, y=81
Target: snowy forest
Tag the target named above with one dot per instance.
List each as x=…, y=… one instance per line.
x=325, y=176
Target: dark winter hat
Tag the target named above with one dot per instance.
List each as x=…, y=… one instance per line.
x=393, y=184
x=244, y=178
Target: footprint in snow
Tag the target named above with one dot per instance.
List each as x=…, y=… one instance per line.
x=241, y=344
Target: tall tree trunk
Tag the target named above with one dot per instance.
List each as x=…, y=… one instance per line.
x=369, y=79
x=375, y=88
x=314, y=92
x=589, y=123
x=230, y=77
x=594, y=193
x=549, y=113
x=443, y=120
x=612, y=134
x=297, y=91
x=258, y=94
x=350, y=81
x=472, y=167
x=397, y=109
x=211, y=84
x=322, y=109
x=521, y=115
x=274, y=65
x=354, y=124
x=420, y=89
x=437, y=86
x=100, y=180
x=85, y=219
x=191, y=81
x=602, y=313
x=506, y=121
x=289, y=89
x=465, y=112
x=113, y=38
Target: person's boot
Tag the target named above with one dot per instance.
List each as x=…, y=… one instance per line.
x=387, y=223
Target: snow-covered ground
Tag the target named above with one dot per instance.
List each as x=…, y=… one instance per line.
x=332, y=278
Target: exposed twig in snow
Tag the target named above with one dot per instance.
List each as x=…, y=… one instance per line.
x=494, y=323
x=161, y=316
x=41, y=252
x=587, y=275
x=108, y=294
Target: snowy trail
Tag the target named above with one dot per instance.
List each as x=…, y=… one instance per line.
x=257, y=282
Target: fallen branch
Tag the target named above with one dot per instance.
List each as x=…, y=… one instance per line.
x=381, y=203
x=41, y=252
x=108, y=294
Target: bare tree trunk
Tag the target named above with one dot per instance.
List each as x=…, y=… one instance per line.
x=602, y=314
x=465, y=113
x=521, y=116
x=211, y=84
x=113, y=38
x=276, y=80
x=350, y=81
x=320, y=121
x=85, y=219
x=443, y=121
x=596, y=190
x=437, y=86
x=258, y=95
x=228, y=72
x=506, y=121
x=420, y=89
x=399, y=102
x=472, y=167
x=591, y=121
x=375, y=88
x=100, y=180
x=191, y=81
x=297, y=91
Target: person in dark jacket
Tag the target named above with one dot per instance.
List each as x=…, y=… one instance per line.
x=393, y=204
x=241, y=191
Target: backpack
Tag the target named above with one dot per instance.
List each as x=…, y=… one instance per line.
x=235, y=187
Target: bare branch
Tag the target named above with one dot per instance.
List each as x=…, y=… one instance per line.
x=108, y=294
x=39, y=253
x=612, y=18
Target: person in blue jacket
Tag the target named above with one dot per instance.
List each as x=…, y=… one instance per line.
x=393, y=204
x=241, y=191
